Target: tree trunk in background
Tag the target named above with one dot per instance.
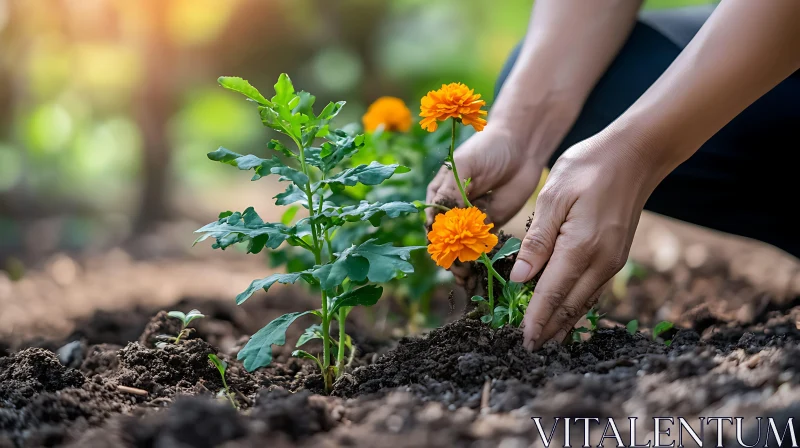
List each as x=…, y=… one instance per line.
x=155, y=105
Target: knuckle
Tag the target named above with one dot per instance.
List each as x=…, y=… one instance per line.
x=567, y=313
x=535, y=243
x=554, y=298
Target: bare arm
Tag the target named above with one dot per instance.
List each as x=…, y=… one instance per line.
x=745, y=49
x=569, y=45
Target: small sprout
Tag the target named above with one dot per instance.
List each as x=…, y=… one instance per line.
x=593, y=317
x=222, y=366
x=478, y=299
x=185, y=319
x=577, y=332
x=633, y=326
x=661, y=328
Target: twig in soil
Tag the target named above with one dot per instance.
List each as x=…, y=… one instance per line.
x=132, y=390
x=486, y=394
x=244, y=398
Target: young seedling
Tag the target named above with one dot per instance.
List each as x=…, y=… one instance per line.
x=345, y=278
x=661, y=328
x=632, y=326
x=222, y=366
x=593, y=317
x=186, y=319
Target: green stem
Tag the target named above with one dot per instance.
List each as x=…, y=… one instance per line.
x=452, y=160
x=317, y=250
x=437, y=206
x=342, y=338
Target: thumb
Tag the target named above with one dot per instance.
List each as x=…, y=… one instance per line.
x=538, y=244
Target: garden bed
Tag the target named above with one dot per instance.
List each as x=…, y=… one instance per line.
x=460, y=385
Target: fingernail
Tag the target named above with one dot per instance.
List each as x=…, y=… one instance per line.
x=520, y=272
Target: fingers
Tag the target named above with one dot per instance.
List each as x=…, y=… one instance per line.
x=581, y=299
x=566, y=267
x=539, y=242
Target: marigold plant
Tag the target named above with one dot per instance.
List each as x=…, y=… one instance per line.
x=388, y=113
x=462, y=233
x=344, y=278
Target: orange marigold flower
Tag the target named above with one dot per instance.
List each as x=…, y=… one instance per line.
x=460, y=233
x=390, y=112
x=455, y=101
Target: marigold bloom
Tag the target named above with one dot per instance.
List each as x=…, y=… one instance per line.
x=460, y=233
x=455, y=101
x=390, y=112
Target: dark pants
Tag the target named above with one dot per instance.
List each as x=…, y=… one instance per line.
x=742, y=181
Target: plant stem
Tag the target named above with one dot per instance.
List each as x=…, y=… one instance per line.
x=452, y=160
x=490, y=268
x=342, y=337
x=317, y=250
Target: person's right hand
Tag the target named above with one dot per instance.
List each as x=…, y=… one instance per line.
x=497, y=162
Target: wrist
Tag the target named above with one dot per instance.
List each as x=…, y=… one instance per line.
x=538, y=118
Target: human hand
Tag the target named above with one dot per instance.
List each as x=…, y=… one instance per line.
x=585, y=219
x=497, y=162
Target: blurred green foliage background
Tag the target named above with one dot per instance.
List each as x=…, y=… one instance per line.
x=108, y=107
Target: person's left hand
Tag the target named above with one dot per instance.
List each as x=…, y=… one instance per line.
x=586, y=215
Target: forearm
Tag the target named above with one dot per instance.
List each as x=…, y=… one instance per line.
x=744, y=50
x=569, y=45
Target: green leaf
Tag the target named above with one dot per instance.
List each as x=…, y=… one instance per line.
x=218, y=363
x=266, y=283
x=302, y=354
x=178, y=315
x=284, y=90
x=668, y=342
x=247, y=226
x=511, y=247
x=275, y=145
x=242, y=86
x=366, y=295
x=258, y=351
x=289, y=214
x=372, y=174
x=329, y=112
x=310, y=333
x=305, y=104
x=661, y=328
x=633, y=326
x=262, y=167
x=486, y=319
x=364, y=211
x=339, y=146
x=500, y=316
x=478, y=299
x=377, y=262
x=192, y=315
x=581, y=330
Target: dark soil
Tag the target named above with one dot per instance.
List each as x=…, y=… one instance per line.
x=463, y=384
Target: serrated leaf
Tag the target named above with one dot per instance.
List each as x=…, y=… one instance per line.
x=510, y=247
x=310, y=333
x=266, y=283
x=284, y=90
x=329, y=112
x=218, y=363
x=377, y=262
x=661, y=328
x=247, y=226
x=305, y=103
x=262, y=167
x=632, y=326
x=339, y=146
x=366, y=295
x=372, y=174
x=275, y=145
x=364, y=211
x=242, y=86
x=257, y=352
